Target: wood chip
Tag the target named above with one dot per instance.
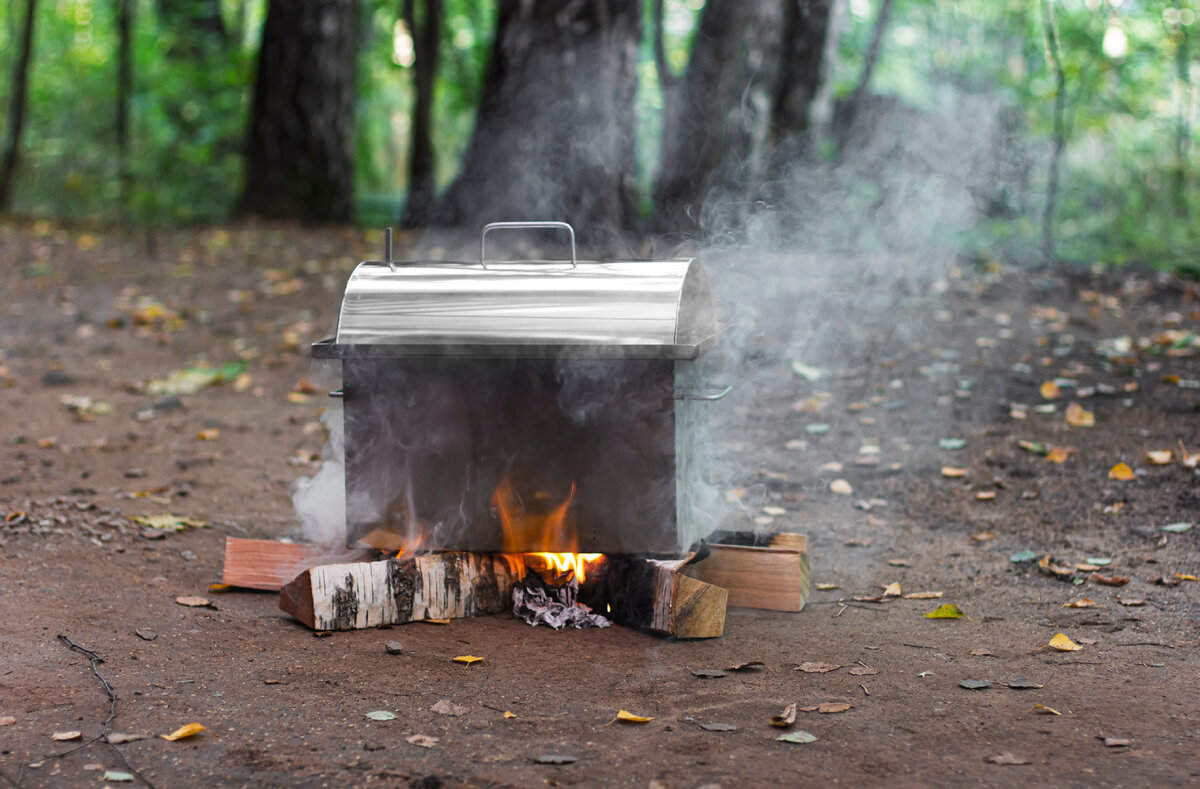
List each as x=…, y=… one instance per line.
x=193, y=601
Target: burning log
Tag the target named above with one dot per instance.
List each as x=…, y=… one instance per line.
x=643, y=593
x=268, y=564
x=773, y=577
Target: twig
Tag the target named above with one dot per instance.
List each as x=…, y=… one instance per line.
x=94, y=660
x=918, y=646
x=1145, y=644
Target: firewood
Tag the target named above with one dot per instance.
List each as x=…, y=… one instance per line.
x=775, y=578
x=269, y=564
x=394, y=591
x=654, y=595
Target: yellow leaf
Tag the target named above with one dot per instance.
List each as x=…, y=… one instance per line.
x=1064, y=644
x=1159, y=457
x=219, y=587
x=1044, y=710
x=1121, y=472
x=468, y=659
x=1058, y=455
x=1049, y=390
x=947, y=611
x=508, y=714
x=892, y=590
x=985, y=495
x=953, y=473
x=1083, y=602
x=211, y=434
x=923, y=596
x=826, y=587
x=183, y=731
x=629, y=717
x=299, y=398
x=436, y=621
x=1186, y=577
x=1078, y=417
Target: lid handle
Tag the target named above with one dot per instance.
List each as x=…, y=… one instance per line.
x=523, y=226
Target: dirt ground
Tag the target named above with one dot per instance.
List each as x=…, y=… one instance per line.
x=88, y=315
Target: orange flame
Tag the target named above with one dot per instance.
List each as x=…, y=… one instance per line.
x=563, y=563
x=541, y=524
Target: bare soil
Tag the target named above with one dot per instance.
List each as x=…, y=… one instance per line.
x=97, y=316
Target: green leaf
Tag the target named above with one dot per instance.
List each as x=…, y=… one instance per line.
x=1176, y=528
x=808, y=372
x=947, y=611
x=1098, y=561
x=799, y=736
x=817, y=428
x=1023, y=556
x=381, y=715
x=952, y=443
x=116, y=776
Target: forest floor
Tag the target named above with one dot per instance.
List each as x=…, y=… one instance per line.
x=920, y=380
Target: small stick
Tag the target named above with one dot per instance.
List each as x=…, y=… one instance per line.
x=864, y=687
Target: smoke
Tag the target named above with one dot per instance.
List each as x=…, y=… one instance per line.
x=320, y=500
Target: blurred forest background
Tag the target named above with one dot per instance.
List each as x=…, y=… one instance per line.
x=1029, y=130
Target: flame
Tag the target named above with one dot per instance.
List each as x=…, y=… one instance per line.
x=562, y=563
x=541, y=523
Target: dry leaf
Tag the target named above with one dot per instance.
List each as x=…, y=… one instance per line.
x=863, y=671
x=953, y=473
x=193, y=601
x=817, y=668
x=447, y=707
x=897, y=562
x=1132, y=602
x=1049, y=390
x=841, y=487
x=422, y=740
x=749, y=665
x=628, y=717
x=63, y=736
x=1083, y=602
x=437, y=622
x=1006, y=758
x=984, y=536
x=826, y=587
x=923, y=596
x=508, y=714
x=1042, y=709
x=1111, y=580
x=785, y=718
x=116, y=738
x=985, y=495
x=1078, y=417
x=189, y=730
x=1058, y=455
x=1116, y=742
x=892, y=590
x=1064, y=644
x=1186, y=577
x=983, y=653
x=831, y=707
x=219, y=587
x=211, y=434
x=7, y=720
x=947, y=611
x=1159, y=457
x=1047, y=564
x=468, y=659
x=1121, y=472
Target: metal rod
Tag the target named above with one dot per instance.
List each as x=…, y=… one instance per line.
x=523, y=226
x=387, y=247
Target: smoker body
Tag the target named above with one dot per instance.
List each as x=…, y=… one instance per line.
x=523, y=407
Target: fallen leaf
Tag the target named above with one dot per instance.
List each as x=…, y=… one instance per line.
x=438, y=622
x=116, y=738
x=897, y=562
x=1036, y=447
x=947, y=611
x=1186, y=577
x=628, y=717
x=381, y=715
x=298, y=398
x=1098, y=561
x=7, y=720
x=1006, y=758
x=785, y=718
x=193, y=601
x=1049, y=390
x=1083, y=602
x=1023, y=683
x=953, y=473
x=985, y=495
x=146, y=634
x=976, y=684
x=425, y=741
x=749, y=665
x=858, y=542
x=1132, y=602
x=984, y=536
x=1058, y=455
x=1159, y=457
x=1064, y=644
x=841, y=487
x=799, y=736
x=1176, y=528
x=447, y=707
x=817, y=668
x=210, y=434
x=1042, y=709
x=863, y=671
x=892, y=590
x=1078, y=417
x=1110, y=580
x=718, y=727
x=826, y=587
x=509, y=714
x=1047, y=565
x=1083, y=567
x=1121, y=472
x=709, y=673
x=188, y=730
x=807, y=372
x=832, y=707
x=468, y=659
x=982, y=653
x=555, y=758
x=116, y=776
x=1116, y=742
x=219, y=587
x=922, y=596
x=952, y=444
x=875, y=599
x=168, y=522
x=63, y=736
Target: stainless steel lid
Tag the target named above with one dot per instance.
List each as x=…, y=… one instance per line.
x=636, y=309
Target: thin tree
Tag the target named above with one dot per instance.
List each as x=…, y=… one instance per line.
x=1183, y=127
x=125, y=10
x=871, y=57
x=427, y=36
x=1054, y=59
x=17, y=108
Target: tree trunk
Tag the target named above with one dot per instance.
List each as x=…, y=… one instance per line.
x=298, y=152
x=554, y=135
x=196, y=24
x=873, y=49
x=124, y=91
x=16, y=109
x=807, y=26
x=722, y=113
x=422, y=184
x=1053, y=53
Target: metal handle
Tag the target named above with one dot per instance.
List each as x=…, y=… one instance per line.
x=523, y=226
x=715, y=396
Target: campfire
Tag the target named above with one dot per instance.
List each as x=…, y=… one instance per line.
x=529, y=437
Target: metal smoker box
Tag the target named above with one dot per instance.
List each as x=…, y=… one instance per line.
x=562, y=390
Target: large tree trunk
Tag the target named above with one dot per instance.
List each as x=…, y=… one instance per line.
x=16, y=109
x=554, y=135
x=806, y=30
x=298, y=154
x=422, y=185
x=721, y=118
x=125, y=9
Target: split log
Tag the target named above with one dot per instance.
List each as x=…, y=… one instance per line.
x=647, y=594
x=394, y=591
x=774, y=577
x=269, y=564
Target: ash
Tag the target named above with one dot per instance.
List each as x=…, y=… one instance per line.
x=538, y=603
